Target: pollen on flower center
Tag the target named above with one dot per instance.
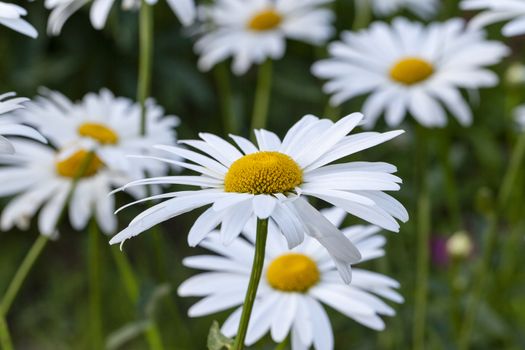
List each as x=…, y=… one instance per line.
x=98, y=132
x=263, y=173
x=72, y=166
x=265, y=20
x=411, y=70
x=292, y=273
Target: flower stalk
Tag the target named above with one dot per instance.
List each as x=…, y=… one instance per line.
x=145, y=60
x=255, y=277
x=262, y=96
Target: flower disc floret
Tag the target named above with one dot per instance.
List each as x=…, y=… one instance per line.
x=72, y=165
x=263, y=173
x=265, y=20
x=98, y=132
x=293, y=273
x=411, y=70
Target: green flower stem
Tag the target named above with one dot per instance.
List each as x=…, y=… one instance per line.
x=255, y=277
x=95, y=294
x=363, y=14
x=132, y=290
x=224, y=90
x=21, y=273
x=515, y=165
x=262, y=96
x=5, y=338
x=145, y=60
x=423, y=236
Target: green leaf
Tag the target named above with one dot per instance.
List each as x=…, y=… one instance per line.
x=217, y=340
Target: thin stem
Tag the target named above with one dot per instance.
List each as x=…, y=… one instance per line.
x=262, y=96
x=21, y=273
x=363, y=14
x=450, y=182
x=480, y=279
x=95, y=297
x=5, y=338
x=255, y=277
x=224, y=89
x=132, y=290
x=423, y=236
x=515, y=165
x=145, y=60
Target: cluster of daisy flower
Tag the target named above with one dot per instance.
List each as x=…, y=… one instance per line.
x=77, y=155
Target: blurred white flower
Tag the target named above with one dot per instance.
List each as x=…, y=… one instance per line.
x=407, y=67
x=8, y=126
x=41, y=178
x=460, y=245
x=252, y=31
x=294, y=286
x=422, y=8
x=273, y=179
x=520, y=117
x=107, y=124
x=61, y=10
x=515, y=74
x=11, y=17
x=498, y=11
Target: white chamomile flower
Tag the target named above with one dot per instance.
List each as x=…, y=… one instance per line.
x=108, y=124
x=252, y=31
x=293, y=287
x=41, y=178
x=520, y=117
x=10, y=127
x=61, y=10
x=498, y=11
x=422, y=8
x=407, y=67
x=273, y=180
x=11, y=17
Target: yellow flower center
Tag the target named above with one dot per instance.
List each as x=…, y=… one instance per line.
x=98, y=132
x=411, y=70
x=265, y=20
x=263, y=173
x=72, y=166
x=293, y=273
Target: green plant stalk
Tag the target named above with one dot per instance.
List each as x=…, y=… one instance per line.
x=132, y=290
x=145, y=60
x=255, y=277
x=423, y=236
x=450, y=182
x=224, y=89
x=262, y=96
x=5, y=339
x=509, y=180
x=95, y=294
x=282, y=345
x=363, y=14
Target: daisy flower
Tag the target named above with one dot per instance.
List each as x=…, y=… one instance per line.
x=110, y=125
x=252, y=31
x=10, y=127
x=11, y=17
x=498, y=11
x=61, y=10
x=294, y=286
x=384, y=8
x=273, y=179
x=407, y=67
x=41, y=178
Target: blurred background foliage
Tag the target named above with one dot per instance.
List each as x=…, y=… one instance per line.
x=52, y=310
